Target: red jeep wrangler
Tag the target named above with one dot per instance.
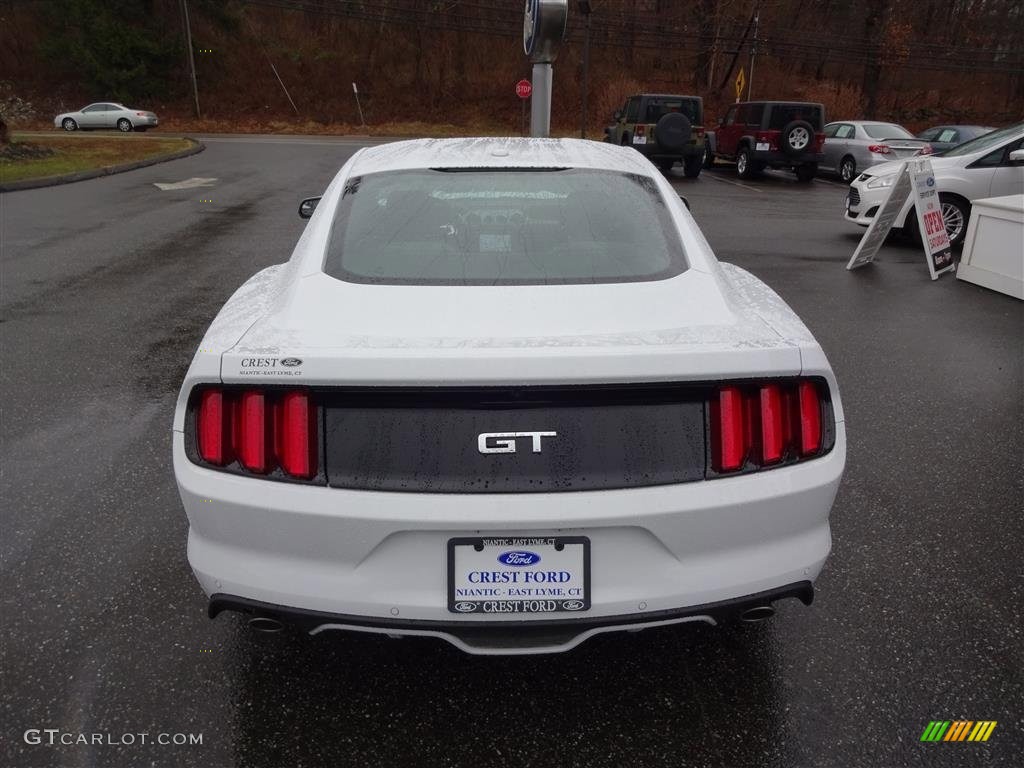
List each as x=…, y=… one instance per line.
x=770, y=134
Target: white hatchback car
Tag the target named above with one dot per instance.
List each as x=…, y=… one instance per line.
x=503, y=394
x=980, y=168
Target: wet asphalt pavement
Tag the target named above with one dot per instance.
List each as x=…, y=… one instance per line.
x=106, y=287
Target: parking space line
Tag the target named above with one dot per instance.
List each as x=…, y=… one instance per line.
x=734, y=183
x=833, y=183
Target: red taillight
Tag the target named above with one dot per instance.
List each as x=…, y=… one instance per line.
x=810, y=419
x=759, y=425
x=295, y=434
x=213, y=427
x=641, y=130
x=262, y=430
x=728, y=430
x=252, y=432
x=879, y=149
x=772, y=435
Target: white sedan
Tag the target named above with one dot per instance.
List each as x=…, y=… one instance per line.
x=106, y=115
x=989, y=166
x=504, y=395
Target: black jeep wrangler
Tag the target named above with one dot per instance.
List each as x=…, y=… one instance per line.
x=666, y=128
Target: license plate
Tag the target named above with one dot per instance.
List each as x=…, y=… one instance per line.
x=639, y=139
x=519, y=574
x=762, y=146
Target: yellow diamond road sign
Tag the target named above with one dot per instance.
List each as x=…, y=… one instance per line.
x=741, y=81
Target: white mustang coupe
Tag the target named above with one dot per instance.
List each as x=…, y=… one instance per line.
x=503, y=394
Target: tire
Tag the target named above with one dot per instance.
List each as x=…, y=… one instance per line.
x=709, y=156
x=124, y=125
x=673, y=131
x=666, y=165
x=744, y=165
x=68, y=124
x=956, y=212
x=692, y=166
x=806, y=173
x=848, y=169
x=797, y=137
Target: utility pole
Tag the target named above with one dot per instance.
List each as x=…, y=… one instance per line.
x=753, y=48
x=191, y=54
x=586, y=10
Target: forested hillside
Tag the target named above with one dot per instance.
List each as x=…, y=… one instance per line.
x=456, y=61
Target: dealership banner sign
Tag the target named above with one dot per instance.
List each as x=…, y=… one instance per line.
x=915, y=177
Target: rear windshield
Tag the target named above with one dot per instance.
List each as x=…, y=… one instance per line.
x=657, y=108
x=986, y=141
x=783, y=114
x=886, y=131
x=502, y=227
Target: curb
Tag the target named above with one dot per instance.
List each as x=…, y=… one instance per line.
x=51, y=181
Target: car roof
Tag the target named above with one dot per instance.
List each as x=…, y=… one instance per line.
x=866, y=122
x=773, y=103
x=663, y=96
x=499, y=152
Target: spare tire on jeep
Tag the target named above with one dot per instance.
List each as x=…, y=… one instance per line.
x=672, y=131
x=797, y=137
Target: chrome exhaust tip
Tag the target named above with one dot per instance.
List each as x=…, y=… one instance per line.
x=757, y=613
x=265, y=624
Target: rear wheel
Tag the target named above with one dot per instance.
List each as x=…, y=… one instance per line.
x=807, y=172
x=124, y=125
x=847, y=169
x=744, y=165
x=709, y=156
x=69, y=125
x=692, y=166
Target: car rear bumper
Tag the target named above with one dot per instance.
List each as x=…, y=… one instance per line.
x=658, y=554
x=513, y=638
x=654, y=152
x=782, y=160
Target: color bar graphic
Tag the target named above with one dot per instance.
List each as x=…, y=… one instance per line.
x=958, y=730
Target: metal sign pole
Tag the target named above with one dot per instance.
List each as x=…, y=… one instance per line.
x=543, y=31
x=540, y=101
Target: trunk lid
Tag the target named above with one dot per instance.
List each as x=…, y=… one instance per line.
x=325, y=331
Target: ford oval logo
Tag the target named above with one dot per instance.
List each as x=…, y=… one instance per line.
x=931, y=181
x=291, y=362
x=519, y=558
x=465, y=607
x=572, y=605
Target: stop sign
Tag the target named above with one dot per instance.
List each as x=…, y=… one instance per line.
x=524, y=89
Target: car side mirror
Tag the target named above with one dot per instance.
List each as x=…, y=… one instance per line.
x=1017, y=156
x=618, y=115
x=307, y=206
x=685, y=202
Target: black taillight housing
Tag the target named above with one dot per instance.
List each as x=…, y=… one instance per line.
x=756, y=425
x=272, y=432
